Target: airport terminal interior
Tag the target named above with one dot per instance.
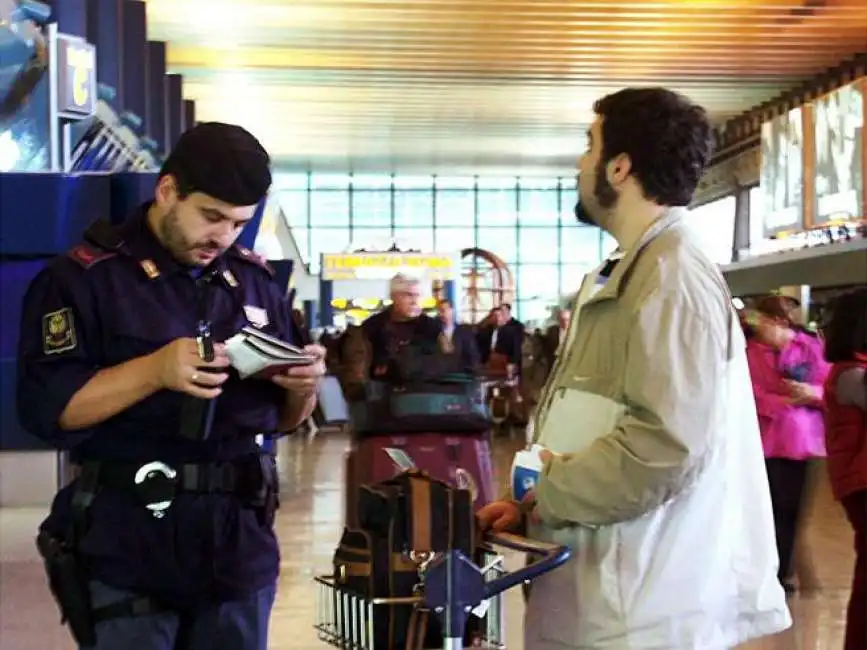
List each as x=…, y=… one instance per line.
x=439, y=140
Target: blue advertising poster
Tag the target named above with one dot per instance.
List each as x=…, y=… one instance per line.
x=24, y=100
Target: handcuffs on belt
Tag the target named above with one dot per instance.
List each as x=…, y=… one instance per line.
x=148, y=472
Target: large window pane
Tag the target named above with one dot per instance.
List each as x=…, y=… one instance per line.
x=571, y=276
x=537, y=281
x=371, y=208
x=372, y=239
x=289, y=182
x=326, y=240
x=497, y=208
x=329, y=209
x=580, y=245
x=293, y=204
x=455, y=182
x=302, y=241
x=454, y=239
x=502, y=242
x=539, y=183
x=420, y=239
x=568, y=199
x=538, y=207
x=371, y=182
x=497, y=182
x=329, y=181
x=455, y=208
x=538, y=244
x=413, y=208
x=414, y=182
x=536, y=311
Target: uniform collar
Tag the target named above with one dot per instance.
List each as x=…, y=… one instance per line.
x=156, y=262
x=621, y=272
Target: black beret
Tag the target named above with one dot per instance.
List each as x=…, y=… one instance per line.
x=224, y=161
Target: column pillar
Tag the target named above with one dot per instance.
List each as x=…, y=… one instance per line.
x=155, y=124
x=741, y=235
x=70, y=16
x=174, y=109
x=326, y=295
x=105, y=30
x=310, y=313
x=450, y=291
x=135, y=59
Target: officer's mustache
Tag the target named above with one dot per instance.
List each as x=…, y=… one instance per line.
x=211, y=247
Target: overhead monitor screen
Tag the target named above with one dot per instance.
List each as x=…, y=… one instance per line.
x=782, y=175
x=839, y=128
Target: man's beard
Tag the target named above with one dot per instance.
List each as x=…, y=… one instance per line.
x=177, y=244
x=605, y=195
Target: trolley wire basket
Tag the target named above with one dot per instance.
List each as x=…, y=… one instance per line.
x=452, y=588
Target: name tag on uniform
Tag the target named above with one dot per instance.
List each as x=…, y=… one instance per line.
x=257, y=316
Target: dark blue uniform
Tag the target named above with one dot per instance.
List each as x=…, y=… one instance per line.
x=211, y=554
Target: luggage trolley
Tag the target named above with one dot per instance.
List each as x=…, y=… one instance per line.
x=452, y=587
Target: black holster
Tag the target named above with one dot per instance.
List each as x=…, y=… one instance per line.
x=70, y=586
x=267, y=497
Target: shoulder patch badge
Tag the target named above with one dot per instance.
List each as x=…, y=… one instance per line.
x=58, y=332
x=254, y=258
x=87, y=256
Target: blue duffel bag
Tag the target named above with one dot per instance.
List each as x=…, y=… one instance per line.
x=452, y=404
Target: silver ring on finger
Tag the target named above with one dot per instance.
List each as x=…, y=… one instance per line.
x=195, y=377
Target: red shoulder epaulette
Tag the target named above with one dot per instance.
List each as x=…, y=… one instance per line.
x=87, y=256
x=255, y=258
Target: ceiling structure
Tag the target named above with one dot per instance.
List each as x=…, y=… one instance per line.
x=453, y=86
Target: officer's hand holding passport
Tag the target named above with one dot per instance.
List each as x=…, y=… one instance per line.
x=178, y=366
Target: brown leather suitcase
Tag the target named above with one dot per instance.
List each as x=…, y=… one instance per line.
x=461, y=460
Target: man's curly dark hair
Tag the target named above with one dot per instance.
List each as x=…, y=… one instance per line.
x=668, y=139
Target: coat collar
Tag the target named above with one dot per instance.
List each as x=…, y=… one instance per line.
x=621, y=273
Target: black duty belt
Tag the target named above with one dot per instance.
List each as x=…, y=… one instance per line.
x=157, y=483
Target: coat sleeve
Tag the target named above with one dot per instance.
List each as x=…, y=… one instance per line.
x=57, y=350
x=676, y=360
x=770, y=393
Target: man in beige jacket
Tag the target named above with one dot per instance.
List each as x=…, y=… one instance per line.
x=653, y=471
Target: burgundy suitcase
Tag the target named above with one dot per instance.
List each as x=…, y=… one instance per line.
x=461, y=460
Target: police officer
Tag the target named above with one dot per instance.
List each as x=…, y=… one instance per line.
x=164, y=540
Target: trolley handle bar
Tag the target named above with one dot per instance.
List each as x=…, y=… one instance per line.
x=552, y=556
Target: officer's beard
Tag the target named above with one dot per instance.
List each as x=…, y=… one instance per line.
x=181, y=248
x=604, y=195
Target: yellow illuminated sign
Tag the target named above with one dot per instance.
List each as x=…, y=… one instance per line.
x=81, y=63
x=76, y=78
x=383, y=266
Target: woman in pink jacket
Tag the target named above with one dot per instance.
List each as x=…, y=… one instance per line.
x=788, y=372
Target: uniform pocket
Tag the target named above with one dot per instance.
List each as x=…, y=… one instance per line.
x=128, y=338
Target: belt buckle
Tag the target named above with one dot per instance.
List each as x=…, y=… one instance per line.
x=146, y=473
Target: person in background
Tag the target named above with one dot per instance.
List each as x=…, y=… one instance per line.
x=399, y=325
x=846, y=440
x=788, y=373
x=555, y=334
x=499, y=346
x=457, y=338
x=516, y=332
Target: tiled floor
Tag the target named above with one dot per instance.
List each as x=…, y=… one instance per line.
x=309, y=524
